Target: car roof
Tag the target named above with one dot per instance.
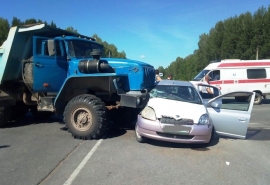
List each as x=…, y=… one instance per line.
x=175, y=82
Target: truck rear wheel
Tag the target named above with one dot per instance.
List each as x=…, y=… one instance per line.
x=28, y=73
x=5, y=114
x=86, y=117
x=19, y=110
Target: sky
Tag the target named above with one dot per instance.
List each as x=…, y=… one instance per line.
x=152, y=31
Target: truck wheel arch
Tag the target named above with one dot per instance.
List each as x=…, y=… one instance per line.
x=77, y=85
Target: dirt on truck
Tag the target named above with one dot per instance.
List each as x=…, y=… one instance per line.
x=48, y=71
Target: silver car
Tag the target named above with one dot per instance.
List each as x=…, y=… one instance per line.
x=176, y=112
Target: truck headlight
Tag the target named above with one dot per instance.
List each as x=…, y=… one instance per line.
x=149, y=113
x=139, y=100
x=204, y=120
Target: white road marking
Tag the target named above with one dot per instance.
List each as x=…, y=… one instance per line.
x=82, y=164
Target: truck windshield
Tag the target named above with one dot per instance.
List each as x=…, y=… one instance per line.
x=200, y=75
x=82, y=49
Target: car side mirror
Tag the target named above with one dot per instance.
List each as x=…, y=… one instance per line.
x=215, y=104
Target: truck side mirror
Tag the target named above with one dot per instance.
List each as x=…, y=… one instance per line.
x=51, y=48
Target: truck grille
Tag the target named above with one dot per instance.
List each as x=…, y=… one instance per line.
x=149, y=76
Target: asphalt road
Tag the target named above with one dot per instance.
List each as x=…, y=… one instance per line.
x=41, y=152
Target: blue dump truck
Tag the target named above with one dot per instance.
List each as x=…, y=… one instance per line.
x=48, y=71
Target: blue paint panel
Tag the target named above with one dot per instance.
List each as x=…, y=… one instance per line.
x=51, y=70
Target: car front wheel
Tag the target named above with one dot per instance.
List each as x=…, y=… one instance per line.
x=139, y=138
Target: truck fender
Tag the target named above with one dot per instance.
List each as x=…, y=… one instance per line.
x=77, y=85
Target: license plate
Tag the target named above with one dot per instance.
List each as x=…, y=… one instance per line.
x=179, y=129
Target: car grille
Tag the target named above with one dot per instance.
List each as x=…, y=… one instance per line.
x=174, y=135
x=176, y=122
x=149, y=76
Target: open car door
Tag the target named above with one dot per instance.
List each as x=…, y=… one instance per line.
x=230, y=117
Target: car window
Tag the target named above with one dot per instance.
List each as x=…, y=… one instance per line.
x=235, y=101
x=178, y=93
x=204, y=94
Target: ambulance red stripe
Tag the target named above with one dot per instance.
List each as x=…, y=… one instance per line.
x=244, y=64
x=248, y=81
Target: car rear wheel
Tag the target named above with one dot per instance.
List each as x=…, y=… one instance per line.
x=139, y=138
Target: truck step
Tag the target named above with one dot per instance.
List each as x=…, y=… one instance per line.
x=46, y=104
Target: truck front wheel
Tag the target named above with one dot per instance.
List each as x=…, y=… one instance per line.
x=86, y=117
x=5, y=115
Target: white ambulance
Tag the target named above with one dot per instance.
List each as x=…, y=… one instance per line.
x=239, y=75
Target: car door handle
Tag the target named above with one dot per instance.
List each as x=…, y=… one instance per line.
x=242, y=119
x=38, y=64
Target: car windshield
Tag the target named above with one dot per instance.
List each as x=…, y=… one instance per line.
x=178, y=93
x=82, y=49
x=200, y=75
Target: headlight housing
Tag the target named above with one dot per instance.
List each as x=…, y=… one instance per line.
x=149, y=113
x=204, y=120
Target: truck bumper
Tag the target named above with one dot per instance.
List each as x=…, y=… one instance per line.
x=134, y=100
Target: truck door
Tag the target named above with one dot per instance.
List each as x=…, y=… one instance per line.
x=49, y=64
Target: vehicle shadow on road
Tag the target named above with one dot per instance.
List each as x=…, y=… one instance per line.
x=31, y=120
x=199, y=147
x=4, y=146
x=258, y=134
x=265, y=101
x=118, y=129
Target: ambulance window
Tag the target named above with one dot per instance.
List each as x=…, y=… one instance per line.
x=200, y=75
x=215, y=75
x=256, y=73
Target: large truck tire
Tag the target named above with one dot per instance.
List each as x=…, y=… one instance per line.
x=86, y=117
x=5, y=114
x=28, y=73
x=18, y=111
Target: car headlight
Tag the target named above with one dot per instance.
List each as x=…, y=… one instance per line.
x=204, y=120
x=149, y=113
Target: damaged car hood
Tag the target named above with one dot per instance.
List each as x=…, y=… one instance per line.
x=177, y=109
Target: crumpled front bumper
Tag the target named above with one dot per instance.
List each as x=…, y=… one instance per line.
x=154, y=130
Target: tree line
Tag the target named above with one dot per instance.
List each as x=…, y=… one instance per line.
x=245, y=37
x=110, y=49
